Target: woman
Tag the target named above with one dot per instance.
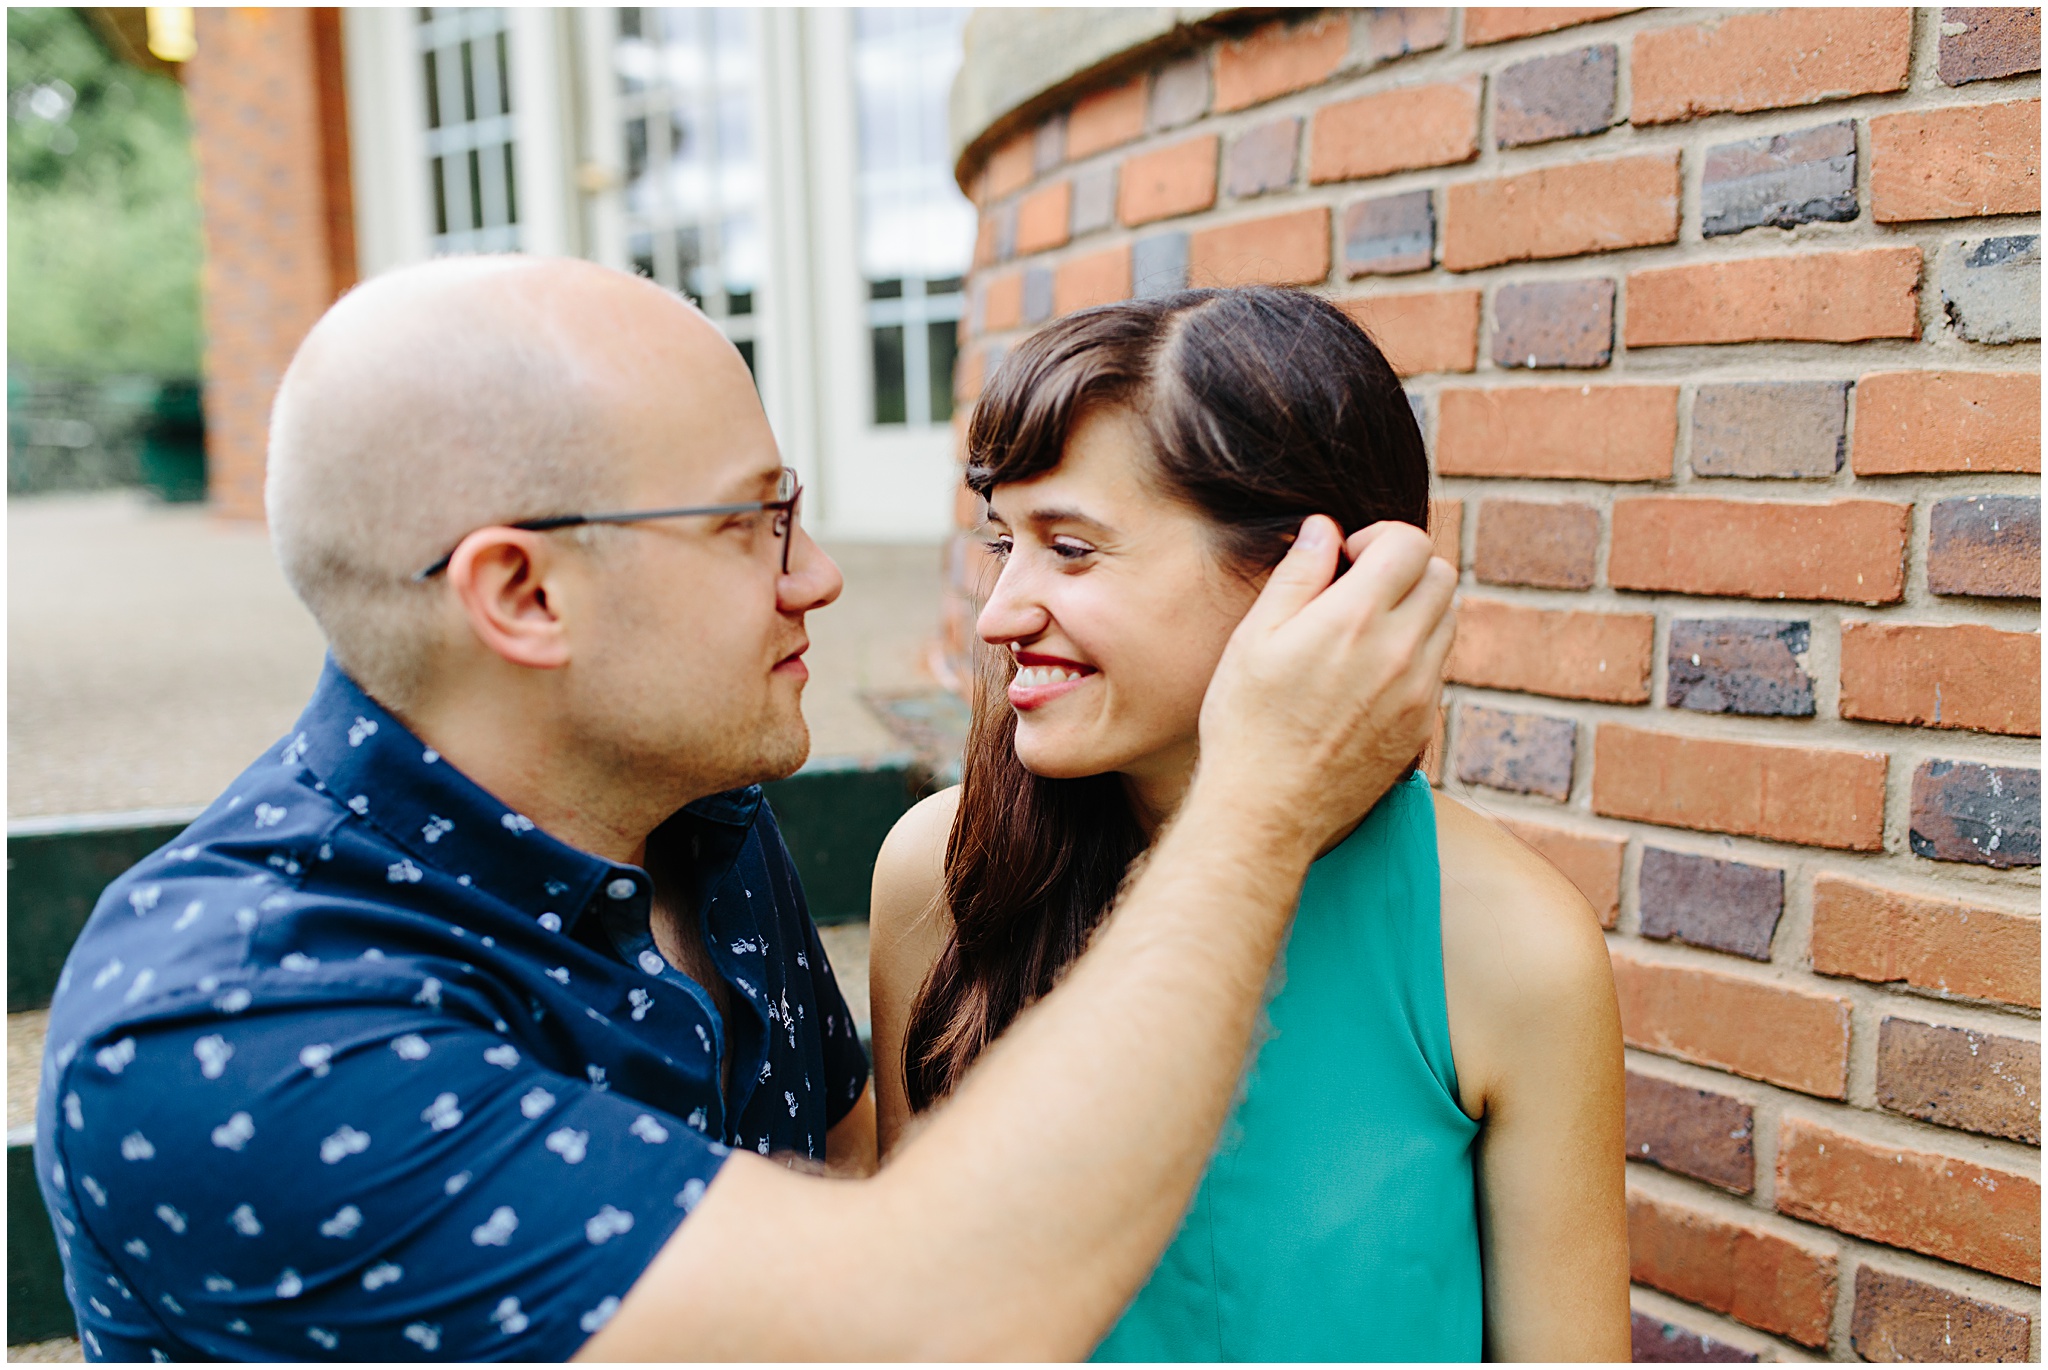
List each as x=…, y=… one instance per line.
x=1425, y=1160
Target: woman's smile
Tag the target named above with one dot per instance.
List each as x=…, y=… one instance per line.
x=1040, y=679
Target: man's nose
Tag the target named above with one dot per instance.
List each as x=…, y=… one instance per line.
x=813, y=579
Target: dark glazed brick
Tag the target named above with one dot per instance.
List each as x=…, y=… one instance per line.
x=1554, y=324
x=1985, y=815
x=1006, y=232
x=1957, y=1078
x=1530, y=543
x=1038, y=294
x=1991, y=288
x=1781, y=429
x=1692, y=1132
x=1525, y=753
x=1049, y=144
x=1094, y=201
x=1787, y=179
x=1901, y=1319
x=1180, y=93
x=1159, y=265
x=1263, y=159
x=1722, y=905
x=1395, y=32
x=1653, y=1341
x=1389, y=236
x=1984, y=43
x=1567, y=95
x=1988, y=545
x=1740, y=666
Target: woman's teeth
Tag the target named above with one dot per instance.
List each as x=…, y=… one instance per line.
x=1031, y=677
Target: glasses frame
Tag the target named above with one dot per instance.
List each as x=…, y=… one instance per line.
x=784, y=507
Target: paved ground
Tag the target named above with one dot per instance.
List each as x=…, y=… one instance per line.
x=154, y=650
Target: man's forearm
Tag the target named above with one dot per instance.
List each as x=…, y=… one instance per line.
x=1019, y=1222
x=1131, y=1064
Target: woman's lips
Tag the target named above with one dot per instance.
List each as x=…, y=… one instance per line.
x=1036, y=685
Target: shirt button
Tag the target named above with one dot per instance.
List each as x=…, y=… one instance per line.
x=650, y=962
x=622, y=888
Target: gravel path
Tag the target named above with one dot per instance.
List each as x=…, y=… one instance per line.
x=154, y=650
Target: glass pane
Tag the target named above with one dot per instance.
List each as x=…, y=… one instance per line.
x=436, y=172
x=739, y=303
x=504, y=81
x=511, y=189
x=885, y=290
x=433, y=90
x=636, y=149
x=746, y=351
x=949, y=285
x=943, y=343
x=913, y=220
x=468, y=82
x=633, y=58
x=889, y=405
x=476, y=190
x=641, y=247
x=742, y=252
x=690, y=273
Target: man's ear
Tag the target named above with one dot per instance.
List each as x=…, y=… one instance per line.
x=501, y=578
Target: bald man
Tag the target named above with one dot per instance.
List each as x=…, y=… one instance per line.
x=482, y=1018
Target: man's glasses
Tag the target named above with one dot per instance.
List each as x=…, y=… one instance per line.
x=788, y=491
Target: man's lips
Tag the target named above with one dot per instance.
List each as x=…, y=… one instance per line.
x=793, y=664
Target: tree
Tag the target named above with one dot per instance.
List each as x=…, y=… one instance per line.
x=103, y=230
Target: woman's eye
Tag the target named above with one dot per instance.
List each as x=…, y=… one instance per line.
x=1068, y=550
x=999, y=548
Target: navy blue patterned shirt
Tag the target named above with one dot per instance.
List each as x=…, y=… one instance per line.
x=366, y=1066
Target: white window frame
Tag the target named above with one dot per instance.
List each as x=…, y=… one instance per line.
x=888, y=482
x=390, y=173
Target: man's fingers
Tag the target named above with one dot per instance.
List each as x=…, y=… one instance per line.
x=1436, y=649
x=1302, y=574
x=1386, y=571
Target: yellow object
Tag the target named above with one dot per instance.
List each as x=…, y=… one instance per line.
x=170, y=33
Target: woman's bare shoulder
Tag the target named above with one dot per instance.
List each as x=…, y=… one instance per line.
x=1524, y=954
x=907, y=919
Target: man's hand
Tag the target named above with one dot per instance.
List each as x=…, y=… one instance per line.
x=1328, y=690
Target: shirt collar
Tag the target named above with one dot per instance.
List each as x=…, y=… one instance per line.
x=379, y=769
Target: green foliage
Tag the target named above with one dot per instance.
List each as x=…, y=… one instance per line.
x=103, y=238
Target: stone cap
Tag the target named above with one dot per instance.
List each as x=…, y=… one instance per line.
x=1020, y=63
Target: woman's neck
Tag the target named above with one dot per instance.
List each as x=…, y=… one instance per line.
x=1158, y=784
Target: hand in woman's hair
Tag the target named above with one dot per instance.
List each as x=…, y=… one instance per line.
x=1328, y=689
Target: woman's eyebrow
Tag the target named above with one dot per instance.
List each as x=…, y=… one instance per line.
x=1046, y=517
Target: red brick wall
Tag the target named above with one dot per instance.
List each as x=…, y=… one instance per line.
x=270, y=125
x=1735, y=415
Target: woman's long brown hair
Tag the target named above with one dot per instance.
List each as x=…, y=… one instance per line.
x=1260, y=407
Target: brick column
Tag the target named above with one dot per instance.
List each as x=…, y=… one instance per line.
x=269, y=118
x=1724, y=333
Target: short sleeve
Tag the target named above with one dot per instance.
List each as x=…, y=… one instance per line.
x=361, y=1184
x=846, y=1060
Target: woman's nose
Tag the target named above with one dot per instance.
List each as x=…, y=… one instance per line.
x=1012, y=611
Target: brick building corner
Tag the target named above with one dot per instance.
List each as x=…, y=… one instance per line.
x=1725, y=335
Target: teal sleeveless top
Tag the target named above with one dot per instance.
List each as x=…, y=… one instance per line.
x=1339, y=1216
